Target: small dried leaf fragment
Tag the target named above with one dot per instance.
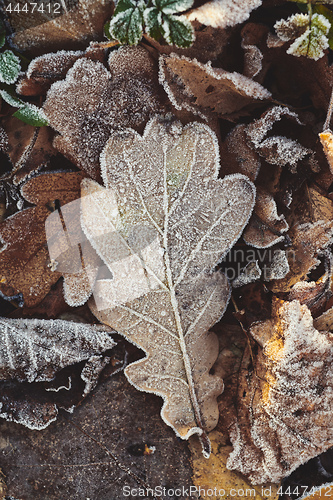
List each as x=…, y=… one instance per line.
x=311, y=233
x=161, y=224
x=224, y=13
x=266, y=227
x=35, y=349
x=24, y=257
x=326, y=139
x=278, y=150
x=283, y=420
x=199, y=87
x=92, y=101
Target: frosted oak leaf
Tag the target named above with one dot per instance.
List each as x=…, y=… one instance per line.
x=169, y=220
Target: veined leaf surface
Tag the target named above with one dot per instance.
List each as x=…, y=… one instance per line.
x=161, y=224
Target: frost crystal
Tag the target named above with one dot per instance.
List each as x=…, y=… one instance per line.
x=285, y=413
x=10, y=67
x=224, y=13
x=309, y=34
x=161, y=225
x=92, y=101
x=200, y=88
x=35, y=349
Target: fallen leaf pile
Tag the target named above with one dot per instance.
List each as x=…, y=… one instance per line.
x=166, y=256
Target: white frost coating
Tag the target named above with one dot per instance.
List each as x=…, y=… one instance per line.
x=30, y=421
x=91, y=372
x=249, y=274
x=234, y=82
x=92, y=101
x=224, y=13
x=167, y=191
x=57, y=389
x=289, y=419
x=279, y=266
x=53, y=62
x=35, y=349
x=284, y=151
x=257, y=130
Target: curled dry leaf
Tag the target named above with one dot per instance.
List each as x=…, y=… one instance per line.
x=161, y=224
x=24, y=259
x=284, y=407
x=35, y=349
x=278, y=150
x=238, y=155
x=310, y=234
x=66, y=30
x=45, y=70
x=266, y=227
x=224, y=13
x=92, y=101
x=49, y=68
x=200, y=88
x=29, y=148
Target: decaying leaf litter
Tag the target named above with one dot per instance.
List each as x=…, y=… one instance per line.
x=173, y=189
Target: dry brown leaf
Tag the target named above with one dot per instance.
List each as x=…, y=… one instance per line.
x=35, y=349
x=66, y=30
x=278, y=150
x=216, y=482
x=28, y=148
x=49, y=68
x=200, y=88
x=284, y=405
x=92, y=101
x=311, y=233
x=161, y=224
x=224, y=13
x=24, y=259
x=266, y=227
x=238, y=155
x=45, y=70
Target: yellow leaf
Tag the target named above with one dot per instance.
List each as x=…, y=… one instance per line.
x=326, y=139
x=214, y=481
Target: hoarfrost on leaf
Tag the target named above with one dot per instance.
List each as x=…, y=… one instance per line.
x=309, y=33
x=199, y=87
x=161, y=224
x=35, y=349
x=284, y=417
x=92, y=101
x=10, y=67
x=224, y=13
x=126, y=26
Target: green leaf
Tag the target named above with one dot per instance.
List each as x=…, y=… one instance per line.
x=2, y=34
x=32, y=115
x=153, y=20
x=173, y=6
x=27, y=113
x=11, y=99
x=10, y=67
x=178, y=31
x=127, y=24
x=321, y=9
